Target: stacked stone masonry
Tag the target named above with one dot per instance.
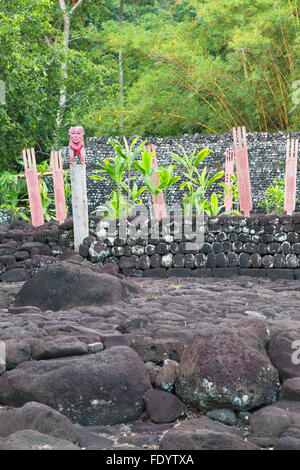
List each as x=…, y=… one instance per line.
x=266, y=153
x=263, y=246
x=259, y=246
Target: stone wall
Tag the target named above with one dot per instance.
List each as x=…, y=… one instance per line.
x=266, y=160
x=257, y=246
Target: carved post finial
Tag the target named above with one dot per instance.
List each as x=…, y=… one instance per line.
x=76, y=144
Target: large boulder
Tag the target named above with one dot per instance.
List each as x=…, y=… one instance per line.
x=66, y=285
x=227, y=367
x=101, y=388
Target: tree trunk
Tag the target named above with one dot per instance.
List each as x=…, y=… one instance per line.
x=67, y=14
x=64, y=73
x=121, y=72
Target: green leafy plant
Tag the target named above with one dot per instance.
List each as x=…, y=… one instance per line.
x=167, y=178
x=213, y=208
x=128, y=154
x=197, y=182
x=14, y=208
x=113, y=170
x=115, y=208
x=144, y=166
x=12, y=195
x=274, y=198
x=190, y=163
x=154, y=185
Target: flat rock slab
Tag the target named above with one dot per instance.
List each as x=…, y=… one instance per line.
x=101, y=388
x=204, y=434
x=34, y=440
x=65, y=285
x=61, y=347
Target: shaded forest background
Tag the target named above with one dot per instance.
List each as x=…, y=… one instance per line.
x=145, y=67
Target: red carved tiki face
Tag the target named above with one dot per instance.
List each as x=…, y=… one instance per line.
x=76, y=134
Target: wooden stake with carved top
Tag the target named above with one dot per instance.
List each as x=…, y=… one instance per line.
x=242, y=169
x=290, y=176
x=59, y=186
x=33, y=187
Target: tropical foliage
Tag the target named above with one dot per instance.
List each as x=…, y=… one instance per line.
x=159, y=68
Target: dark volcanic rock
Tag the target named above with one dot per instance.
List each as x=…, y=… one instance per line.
x=228, y=367
x=225, y=416
x=283, y=345
x=66, y=285
x=34, y=440
x=163, y=407
x=288, y=440
x=167, y=375
x=42, y=418
x=101, y=388
x=15, y=275
x=16, y=352
x=59, y=347
x=290, y=389
x=204, y=434
x=270, y=421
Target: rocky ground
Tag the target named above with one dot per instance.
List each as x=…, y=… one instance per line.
x=177, y=363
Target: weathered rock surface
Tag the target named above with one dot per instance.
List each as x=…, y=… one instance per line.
x=282, y=349
x=228, y=367
x=289, y=439
x=290, y=389
x=45, y=420
x=61, y=347
x=225, y=416
x=158, y=323
x=270, y=421
x=34, y=440
x=16, y=352
x=163, y=407
x=37, y=417
x=101, y=388
x=166, y=377
x=204, y=434
x=65, y=285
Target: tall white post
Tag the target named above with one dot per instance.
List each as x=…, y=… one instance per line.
x=79, y=204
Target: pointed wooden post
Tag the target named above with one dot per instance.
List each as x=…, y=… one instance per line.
x=59, y=186
x=229, y=168
x=33, y=187
x=159, y=204
x=242, y=169
x=290, y=175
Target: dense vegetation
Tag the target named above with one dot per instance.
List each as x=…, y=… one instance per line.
x=146, y=67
